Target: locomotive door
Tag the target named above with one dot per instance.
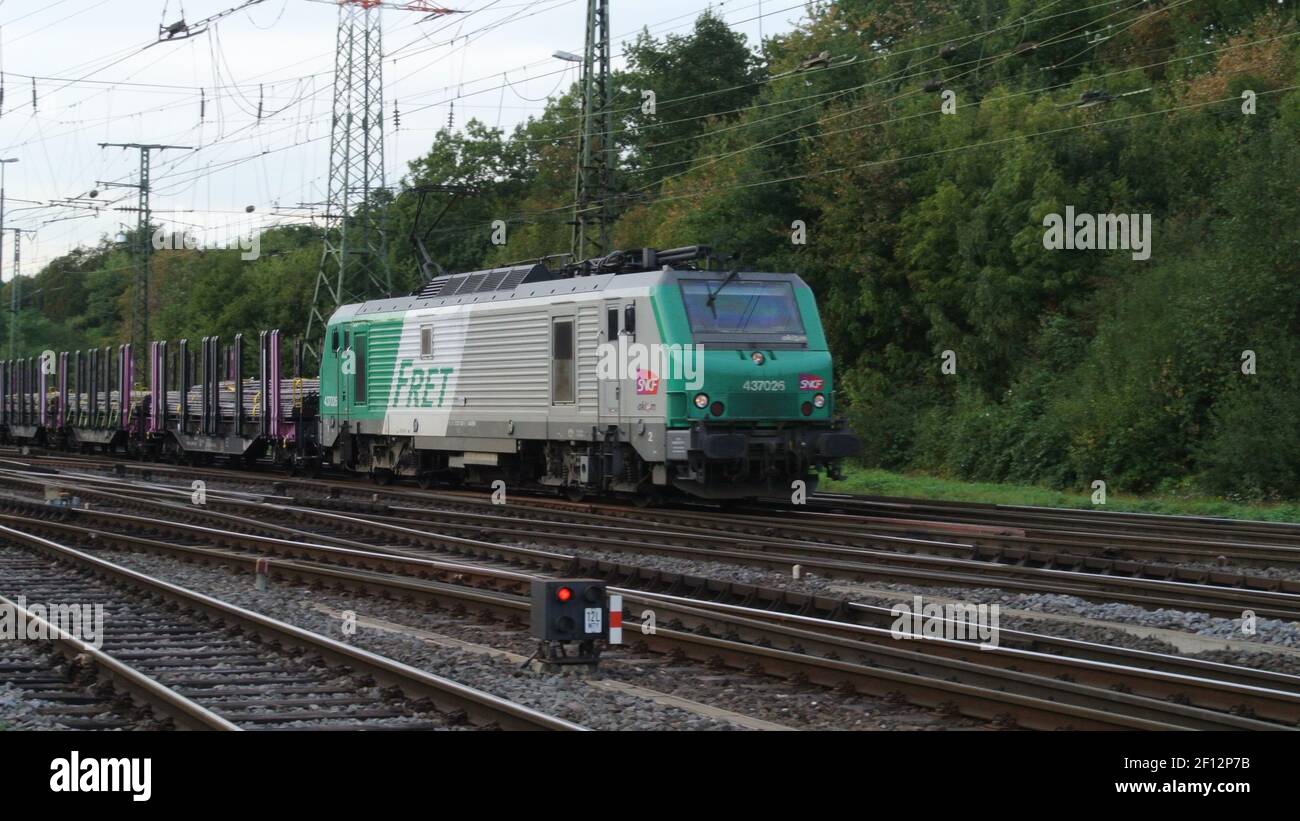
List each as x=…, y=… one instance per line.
x=334, y=402
x=609, y=362
x=343, y=362
x=353, y=369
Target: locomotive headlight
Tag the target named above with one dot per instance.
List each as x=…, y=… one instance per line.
x=701, y=400
x=758, y=358
x=819, y=401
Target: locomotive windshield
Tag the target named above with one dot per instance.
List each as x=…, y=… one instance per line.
x=742, y=307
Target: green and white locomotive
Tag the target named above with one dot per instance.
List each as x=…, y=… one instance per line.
x=638, y=375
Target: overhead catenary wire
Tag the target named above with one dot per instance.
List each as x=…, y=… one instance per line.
x=312, y=140
x=242, y=132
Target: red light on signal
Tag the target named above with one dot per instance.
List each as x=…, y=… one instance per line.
x=564, y=594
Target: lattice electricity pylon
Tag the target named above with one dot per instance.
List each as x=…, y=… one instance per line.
x=593, y=213
x=354, y=260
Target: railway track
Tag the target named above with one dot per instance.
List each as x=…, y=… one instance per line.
x=60, y=692
x=206, y=664
x=1181, y=525
x=1064, y=539
x=1217, y=592
x=1204, y=533
x=353, y=537
x=948, y=676
x=1013, y=686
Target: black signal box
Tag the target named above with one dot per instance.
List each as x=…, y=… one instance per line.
x=569, y=610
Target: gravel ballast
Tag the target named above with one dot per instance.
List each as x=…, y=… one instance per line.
x=570, y=697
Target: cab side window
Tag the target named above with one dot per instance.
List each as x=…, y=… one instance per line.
x=563, y=373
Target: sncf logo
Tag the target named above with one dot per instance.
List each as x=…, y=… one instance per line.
x=647, y=382
x=811, y=382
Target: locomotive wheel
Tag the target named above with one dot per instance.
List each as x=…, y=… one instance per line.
x=575, y=494
x=425, y=481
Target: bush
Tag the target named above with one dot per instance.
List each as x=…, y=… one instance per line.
x=1253, y=451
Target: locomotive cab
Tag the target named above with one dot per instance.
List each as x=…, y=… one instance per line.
x=758, y=413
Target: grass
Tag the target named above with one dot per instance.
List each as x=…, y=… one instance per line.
x=873, y=481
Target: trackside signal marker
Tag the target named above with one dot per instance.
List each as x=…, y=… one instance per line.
x=615, y=618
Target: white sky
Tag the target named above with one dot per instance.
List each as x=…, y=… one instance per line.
x=84, y=97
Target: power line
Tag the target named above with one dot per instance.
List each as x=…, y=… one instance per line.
x=140, y=319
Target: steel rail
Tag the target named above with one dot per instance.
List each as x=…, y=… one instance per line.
x=515, y=604
x=447, y=695
x=184, y=712
x=517, y=583
x=855, y=563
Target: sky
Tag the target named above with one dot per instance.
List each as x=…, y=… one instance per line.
x=100, y=75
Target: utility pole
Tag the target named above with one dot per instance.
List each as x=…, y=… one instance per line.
x=144, y=247
x=15, y=284
x=354, y=259
x=13, y=316
x=593, y=213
